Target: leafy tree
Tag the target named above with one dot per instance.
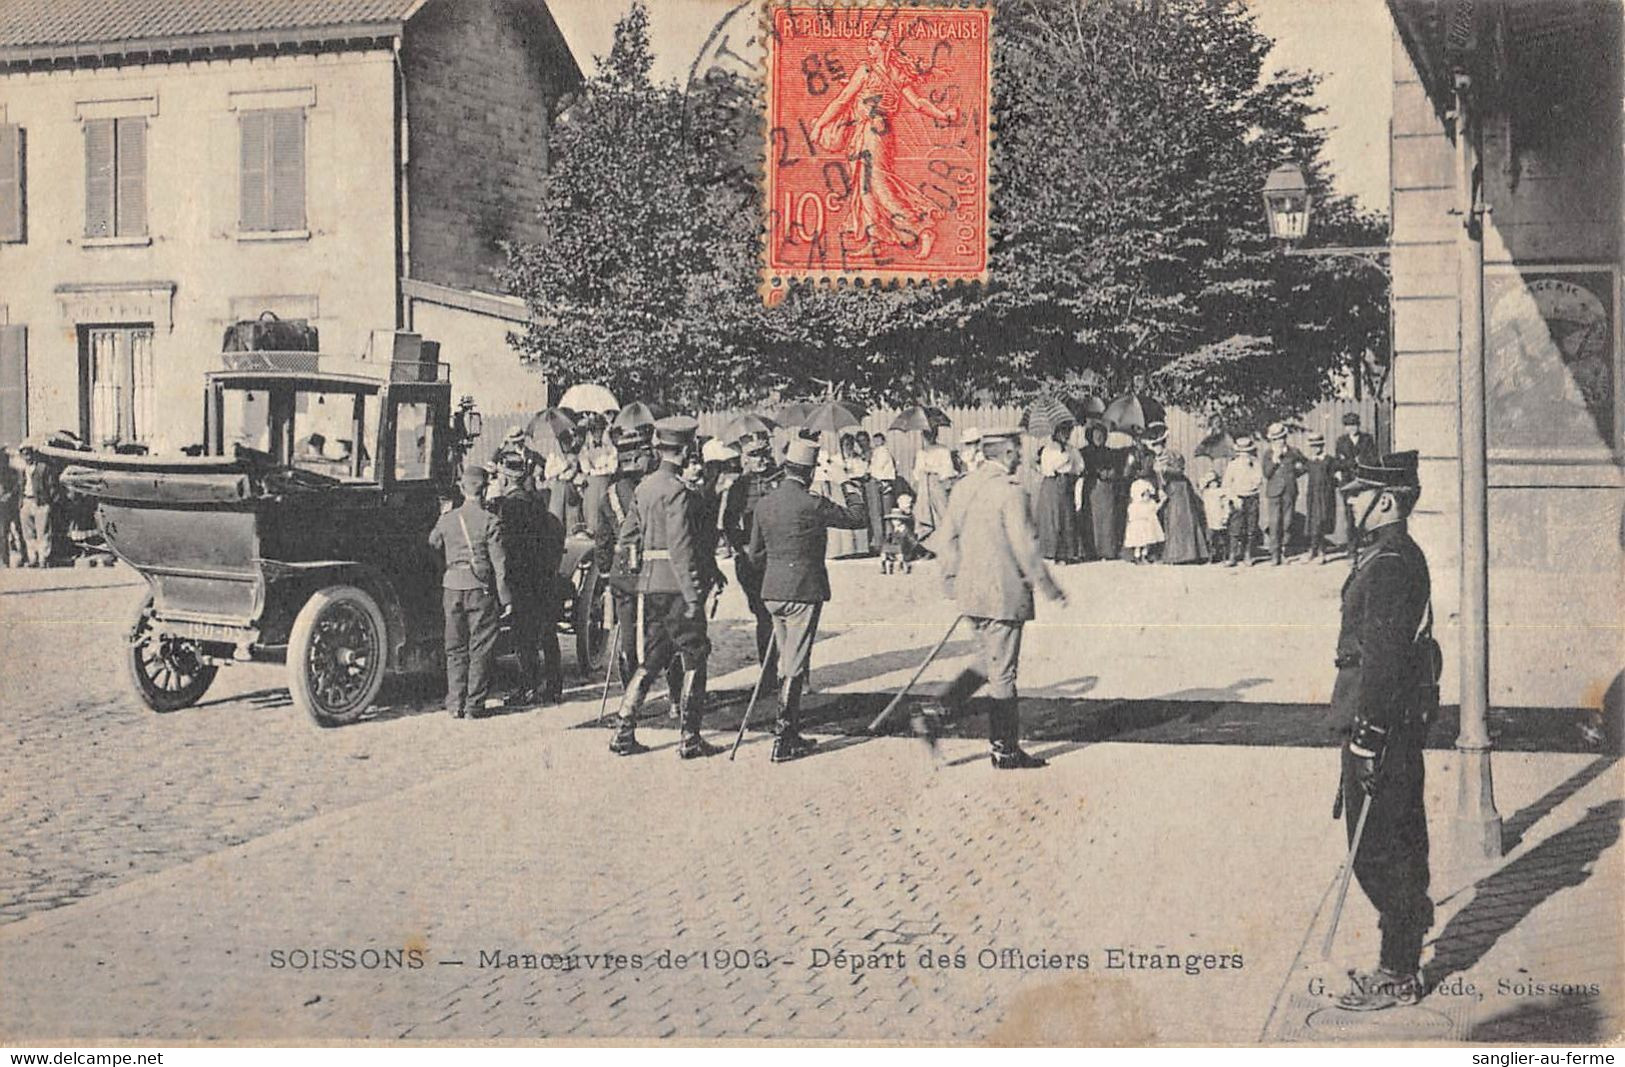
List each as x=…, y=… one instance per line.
x=1133, y=139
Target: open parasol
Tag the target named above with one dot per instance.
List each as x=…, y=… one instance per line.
x=833, y=416
x=1133, y=412
x=1085, y=407
x=546, y=431
x=920, y=417
x=1046, y=415
x=637, y=416
x=791, y=415
x=747, y=424
x=588, y=396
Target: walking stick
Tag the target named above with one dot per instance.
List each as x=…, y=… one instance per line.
x=898, y=699
x=612, y=653
x=754, y=693
x=1343, y=879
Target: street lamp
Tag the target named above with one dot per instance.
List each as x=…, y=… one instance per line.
x=1287, y=202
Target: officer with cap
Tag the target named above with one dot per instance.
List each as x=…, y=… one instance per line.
x=671, y=588
x=533, y=541
x=760, y=475
x=475, y=594
x=788, y=542
x=633, y=451
x=991, y=562
x=1384, y=696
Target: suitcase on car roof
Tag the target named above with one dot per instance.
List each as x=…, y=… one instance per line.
x=270, y=334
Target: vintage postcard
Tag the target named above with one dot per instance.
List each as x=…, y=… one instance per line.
x=806, y=522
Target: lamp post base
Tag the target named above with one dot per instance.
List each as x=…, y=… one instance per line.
x=1474, y=831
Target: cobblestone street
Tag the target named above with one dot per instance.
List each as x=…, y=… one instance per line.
x=167, y=876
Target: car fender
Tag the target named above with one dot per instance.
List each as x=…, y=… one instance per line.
x=317, y=574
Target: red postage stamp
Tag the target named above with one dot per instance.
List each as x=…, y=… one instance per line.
x=877, y=147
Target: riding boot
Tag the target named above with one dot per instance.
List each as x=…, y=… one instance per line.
x=1004, y=725
x=691, y=711
x=625, y=741
x=676, y=679
x=788, y=744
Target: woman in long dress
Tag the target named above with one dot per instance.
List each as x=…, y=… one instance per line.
x=1184, y=523
x=874, y=492
x=934, y=470
x=1102, y=468
x=846, y=465
x=1056, y=539
x=599, y=461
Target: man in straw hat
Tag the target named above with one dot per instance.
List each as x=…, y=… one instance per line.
x=991, y=563
x=1243, y=481
x=475, y=594
x=788, y=542
x=1282, y=465
x=1383, y=698
x=661, y=524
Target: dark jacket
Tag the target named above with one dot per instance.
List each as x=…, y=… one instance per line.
x=1281, y=475
x=1384, y=600
x=791, y=535
x=620, y=565
x=476, y=559
x=1347, y=452
x=532, y=540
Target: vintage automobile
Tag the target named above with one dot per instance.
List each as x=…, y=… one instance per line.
x=300, y=532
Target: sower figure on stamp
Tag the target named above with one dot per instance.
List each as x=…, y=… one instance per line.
x=1383, y=699
x=788, y=543
x=991, y=563
x=760, y=477
x=671, y=588
x=632, y=449
x=475, y=594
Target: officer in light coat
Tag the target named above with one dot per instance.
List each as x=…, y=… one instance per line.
x=991, y=562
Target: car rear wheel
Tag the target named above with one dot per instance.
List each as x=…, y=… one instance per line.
x=337, y=655
x=168, y=672
x=592, y=635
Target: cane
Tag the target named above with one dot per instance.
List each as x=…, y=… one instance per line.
x=613, y=653
x=754, y=693
x=1343, y=879
x=898, y=699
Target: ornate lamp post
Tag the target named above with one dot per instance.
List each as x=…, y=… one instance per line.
x=1476, y=827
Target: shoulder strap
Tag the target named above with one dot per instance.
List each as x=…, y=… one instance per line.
x=469, y=540
x=615, y=504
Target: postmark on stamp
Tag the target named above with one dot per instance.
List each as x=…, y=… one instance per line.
x=877, y=146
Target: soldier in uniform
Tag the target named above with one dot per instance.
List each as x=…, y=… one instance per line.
x=991, y=562
x=788, y=541
x=671, y=588
x=760, y=476
x=533, y=542
x=475, y=594
x=621, y=565
x=1386, y=666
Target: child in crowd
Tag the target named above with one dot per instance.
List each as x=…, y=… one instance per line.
x=1144, y=528
x=1217, y=507
x=897, y=550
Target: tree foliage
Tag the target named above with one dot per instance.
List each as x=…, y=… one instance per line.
x=1133, y=139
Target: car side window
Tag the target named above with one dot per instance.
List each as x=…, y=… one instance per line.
x=414, y=440
x=325, y=433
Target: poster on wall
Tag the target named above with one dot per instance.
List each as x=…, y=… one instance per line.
x=1552, y=350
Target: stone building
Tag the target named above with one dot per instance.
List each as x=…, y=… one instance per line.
x=1541, y=80
x=168, y=168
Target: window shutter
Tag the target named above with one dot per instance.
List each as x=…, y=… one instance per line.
x=131, y=216
x=287, y=201
x=12, y=226
x=13, y=384
x=99, y=178
x=251, y=213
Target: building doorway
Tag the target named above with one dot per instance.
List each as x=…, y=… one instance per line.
x=117, y=390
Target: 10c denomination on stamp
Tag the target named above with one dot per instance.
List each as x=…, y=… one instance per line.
x=878, y=139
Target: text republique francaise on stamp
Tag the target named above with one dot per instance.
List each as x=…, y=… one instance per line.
x=878, y=142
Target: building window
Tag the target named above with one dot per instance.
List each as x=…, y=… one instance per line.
x=117, y=392
x=116, y=177
x=13, y=203
x=272, y=191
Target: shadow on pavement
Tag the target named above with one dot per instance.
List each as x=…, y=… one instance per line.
x=1513, y=829
x=1503, y=899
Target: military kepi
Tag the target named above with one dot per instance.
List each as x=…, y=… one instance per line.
x=801, y=452
x=676, y=432
x=994, y=435
x=1397, y=470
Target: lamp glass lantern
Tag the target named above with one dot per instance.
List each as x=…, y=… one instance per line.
x=1287, y=202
